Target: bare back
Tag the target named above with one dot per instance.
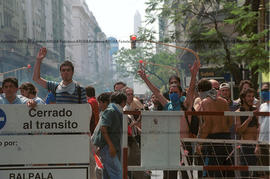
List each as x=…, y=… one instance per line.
x=215, y=124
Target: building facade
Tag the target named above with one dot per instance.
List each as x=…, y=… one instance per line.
x=27, y=25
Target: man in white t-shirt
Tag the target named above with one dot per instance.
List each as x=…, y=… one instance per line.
x=264, y=131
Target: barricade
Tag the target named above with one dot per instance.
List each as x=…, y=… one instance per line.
x=161, y=144
x=49, y=141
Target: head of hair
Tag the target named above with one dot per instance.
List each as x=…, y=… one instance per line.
x=174, y=77
x=29, y=86
x=1, y=90
x=118, y=97
x=23, y=86
x=10, y=80
x=67, y=63
x=104, y=97
x=119, y=83
x=266, y=83
x=90, y=91
x=204, y=85
x=244, y=93
x=243, y=82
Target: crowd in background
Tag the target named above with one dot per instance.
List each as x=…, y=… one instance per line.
x=204, y=95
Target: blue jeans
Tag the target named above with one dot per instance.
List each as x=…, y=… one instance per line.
x=112, y=165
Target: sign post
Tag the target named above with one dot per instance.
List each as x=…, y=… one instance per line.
x=49, y=141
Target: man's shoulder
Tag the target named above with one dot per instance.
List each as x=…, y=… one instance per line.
x=39, y=100
x=92, y=100
x=265, y=106
x=1, y=99
x=109, y=109
x=219, y=102
x=51, y=85
x=21, y=99
x=136, y=104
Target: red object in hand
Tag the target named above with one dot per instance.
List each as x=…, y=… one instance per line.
x=140, y=61
x=98, y=161
x=28, y=66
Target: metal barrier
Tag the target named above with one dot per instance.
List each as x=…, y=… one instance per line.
x=160, y=142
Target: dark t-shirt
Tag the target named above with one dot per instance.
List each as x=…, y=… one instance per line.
x=112, y=118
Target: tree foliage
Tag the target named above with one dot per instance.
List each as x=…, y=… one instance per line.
x=157, y=65
x=223, y=32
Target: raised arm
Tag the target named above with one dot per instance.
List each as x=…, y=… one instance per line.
x=190, y=93
x=36, y=75
x=153, y=88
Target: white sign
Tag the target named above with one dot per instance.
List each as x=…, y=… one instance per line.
x=53, y=118
x=160, y=139
x=45, y=173
x=44, y=149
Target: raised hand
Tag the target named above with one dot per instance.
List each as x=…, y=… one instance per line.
x=142, y=74
x=31, y=103
x=42, y=53
x=195, y=67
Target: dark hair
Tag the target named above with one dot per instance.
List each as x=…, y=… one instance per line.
x=118, y=97
x=119, y=83
x=245, y=92
x=67, y=63
x=1, y=90
x=10, y=80
x=29, y=86
x=266, y=83
x=243, y=82
x=90, y=91
x=204, y=85
x=104, y=97
x=174, y=77
x=23, y=86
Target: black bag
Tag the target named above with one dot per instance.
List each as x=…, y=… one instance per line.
x=193, y=125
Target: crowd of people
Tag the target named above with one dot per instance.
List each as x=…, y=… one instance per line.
x=205, y=95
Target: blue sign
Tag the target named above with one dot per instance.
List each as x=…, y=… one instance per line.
x=3, y=119
x=227, y=77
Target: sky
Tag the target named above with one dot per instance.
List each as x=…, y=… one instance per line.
x=116, y=17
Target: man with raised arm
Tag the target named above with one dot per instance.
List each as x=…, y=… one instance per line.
x=175, y=91
x=67, y=91
x=177, y=102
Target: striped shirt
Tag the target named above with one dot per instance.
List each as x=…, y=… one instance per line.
x=18, y=100
x=65, y=97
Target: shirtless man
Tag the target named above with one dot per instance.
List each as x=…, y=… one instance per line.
x=215, y=85
x=247, y=127
x=214, y=127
